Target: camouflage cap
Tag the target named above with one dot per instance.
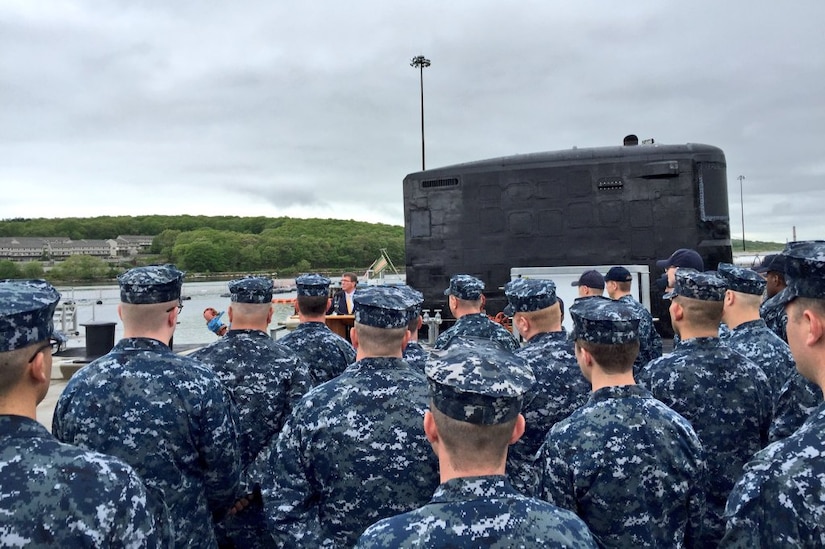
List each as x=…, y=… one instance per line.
x=383, y=306
x=152, y=284
x=481, y=384
x=416, y=298
x=312, y=285
x=528, y=294
x=465, y=287
x=600, y=319
x=707, y=286
x=27, y=313
x=804, y=271
x=738, y=279
x=251, y=289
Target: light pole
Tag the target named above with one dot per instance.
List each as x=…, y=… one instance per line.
x=742, y=208
x=419, y=62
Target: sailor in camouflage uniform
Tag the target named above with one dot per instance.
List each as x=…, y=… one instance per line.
x=53, y=494
x=465, y=301
x=559, y=389
x=353, y=451
x=618, y=282
x=749, y=335
x=629, y=466
x=771, y=310
x=325, y=353
x=797, y=400
x=725, y=396
x=166, y=415
x=414, y=353
x=475, y=398
x=780, y=499
x=265, y=380
x=264, y=377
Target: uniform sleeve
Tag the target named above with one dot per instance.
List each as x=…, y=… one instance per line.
x=697, y=506
x=288, y=494
x=218, y=449
x=557, y=485
x=797, y=400
x=136, y=525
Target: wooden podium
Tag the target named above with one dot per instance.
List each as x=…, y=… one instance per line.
x=340, y=324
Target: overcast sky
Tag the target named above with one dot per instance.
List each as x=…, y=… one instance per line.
x=311, y=109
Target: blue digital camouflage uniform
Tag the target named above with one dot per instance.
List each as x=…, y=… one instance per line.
x=559, y=389
x=650, y=342
x=263, y=377
x=629, y=466
x=775, y=317
x=325, y=353
x=58, y=495
x=353, y=450
x=753, y=339
x=166, y=415
x=479, y=512
x=265, y=380
x=415, y=355
x=477, y=325
x=479, y=383
x=53, y=494
x=725, y=396
x=797, y=400
x=780, y=499
x=469, y=288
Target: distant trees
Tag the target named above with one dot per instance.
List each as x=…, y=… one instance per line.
x=11, y=269
x=82, y=267
x=228, y=244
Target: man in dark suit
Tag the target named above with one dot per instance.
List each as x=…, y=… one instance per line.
x=342, y=301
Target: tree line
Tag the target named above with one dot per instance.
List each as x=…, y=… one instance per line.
x=204, y=244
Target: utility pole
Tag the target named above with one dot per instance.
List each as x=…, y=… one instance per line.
x=419, y=62
x=742, y=207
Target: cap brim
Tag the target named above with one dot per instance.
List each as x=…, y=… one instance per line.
x=447, y=291
x=663, y=263
x=670, y=295
x=575, y=283
x=509, y=310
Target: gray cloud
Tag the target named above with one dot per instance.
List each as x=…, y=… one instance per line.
x=259, y=108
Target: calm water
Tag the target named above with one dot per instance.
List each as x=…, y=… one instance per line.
x=191, y=328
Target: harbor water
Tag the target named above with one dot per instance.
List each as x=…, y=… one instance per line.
x=97, y=304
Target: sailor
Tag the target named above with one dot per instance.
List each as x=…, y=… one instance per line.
x=352, y=452
x=590, y=283
x=632, y=468
x=54, y=494
x=773, y=269
x=780, y=499
x=725, y=396
x=414, y=354
x=264, y=377
x=559, y=389
x=618, y=282
x=465, y=301
x=475, y=398
x=166, y=415
x=325, y=353
x=749, y=334
x=683, y=258
x=265, y=381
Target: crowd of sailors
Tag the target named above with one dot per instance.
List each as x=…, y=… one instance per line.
x=593, y=438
